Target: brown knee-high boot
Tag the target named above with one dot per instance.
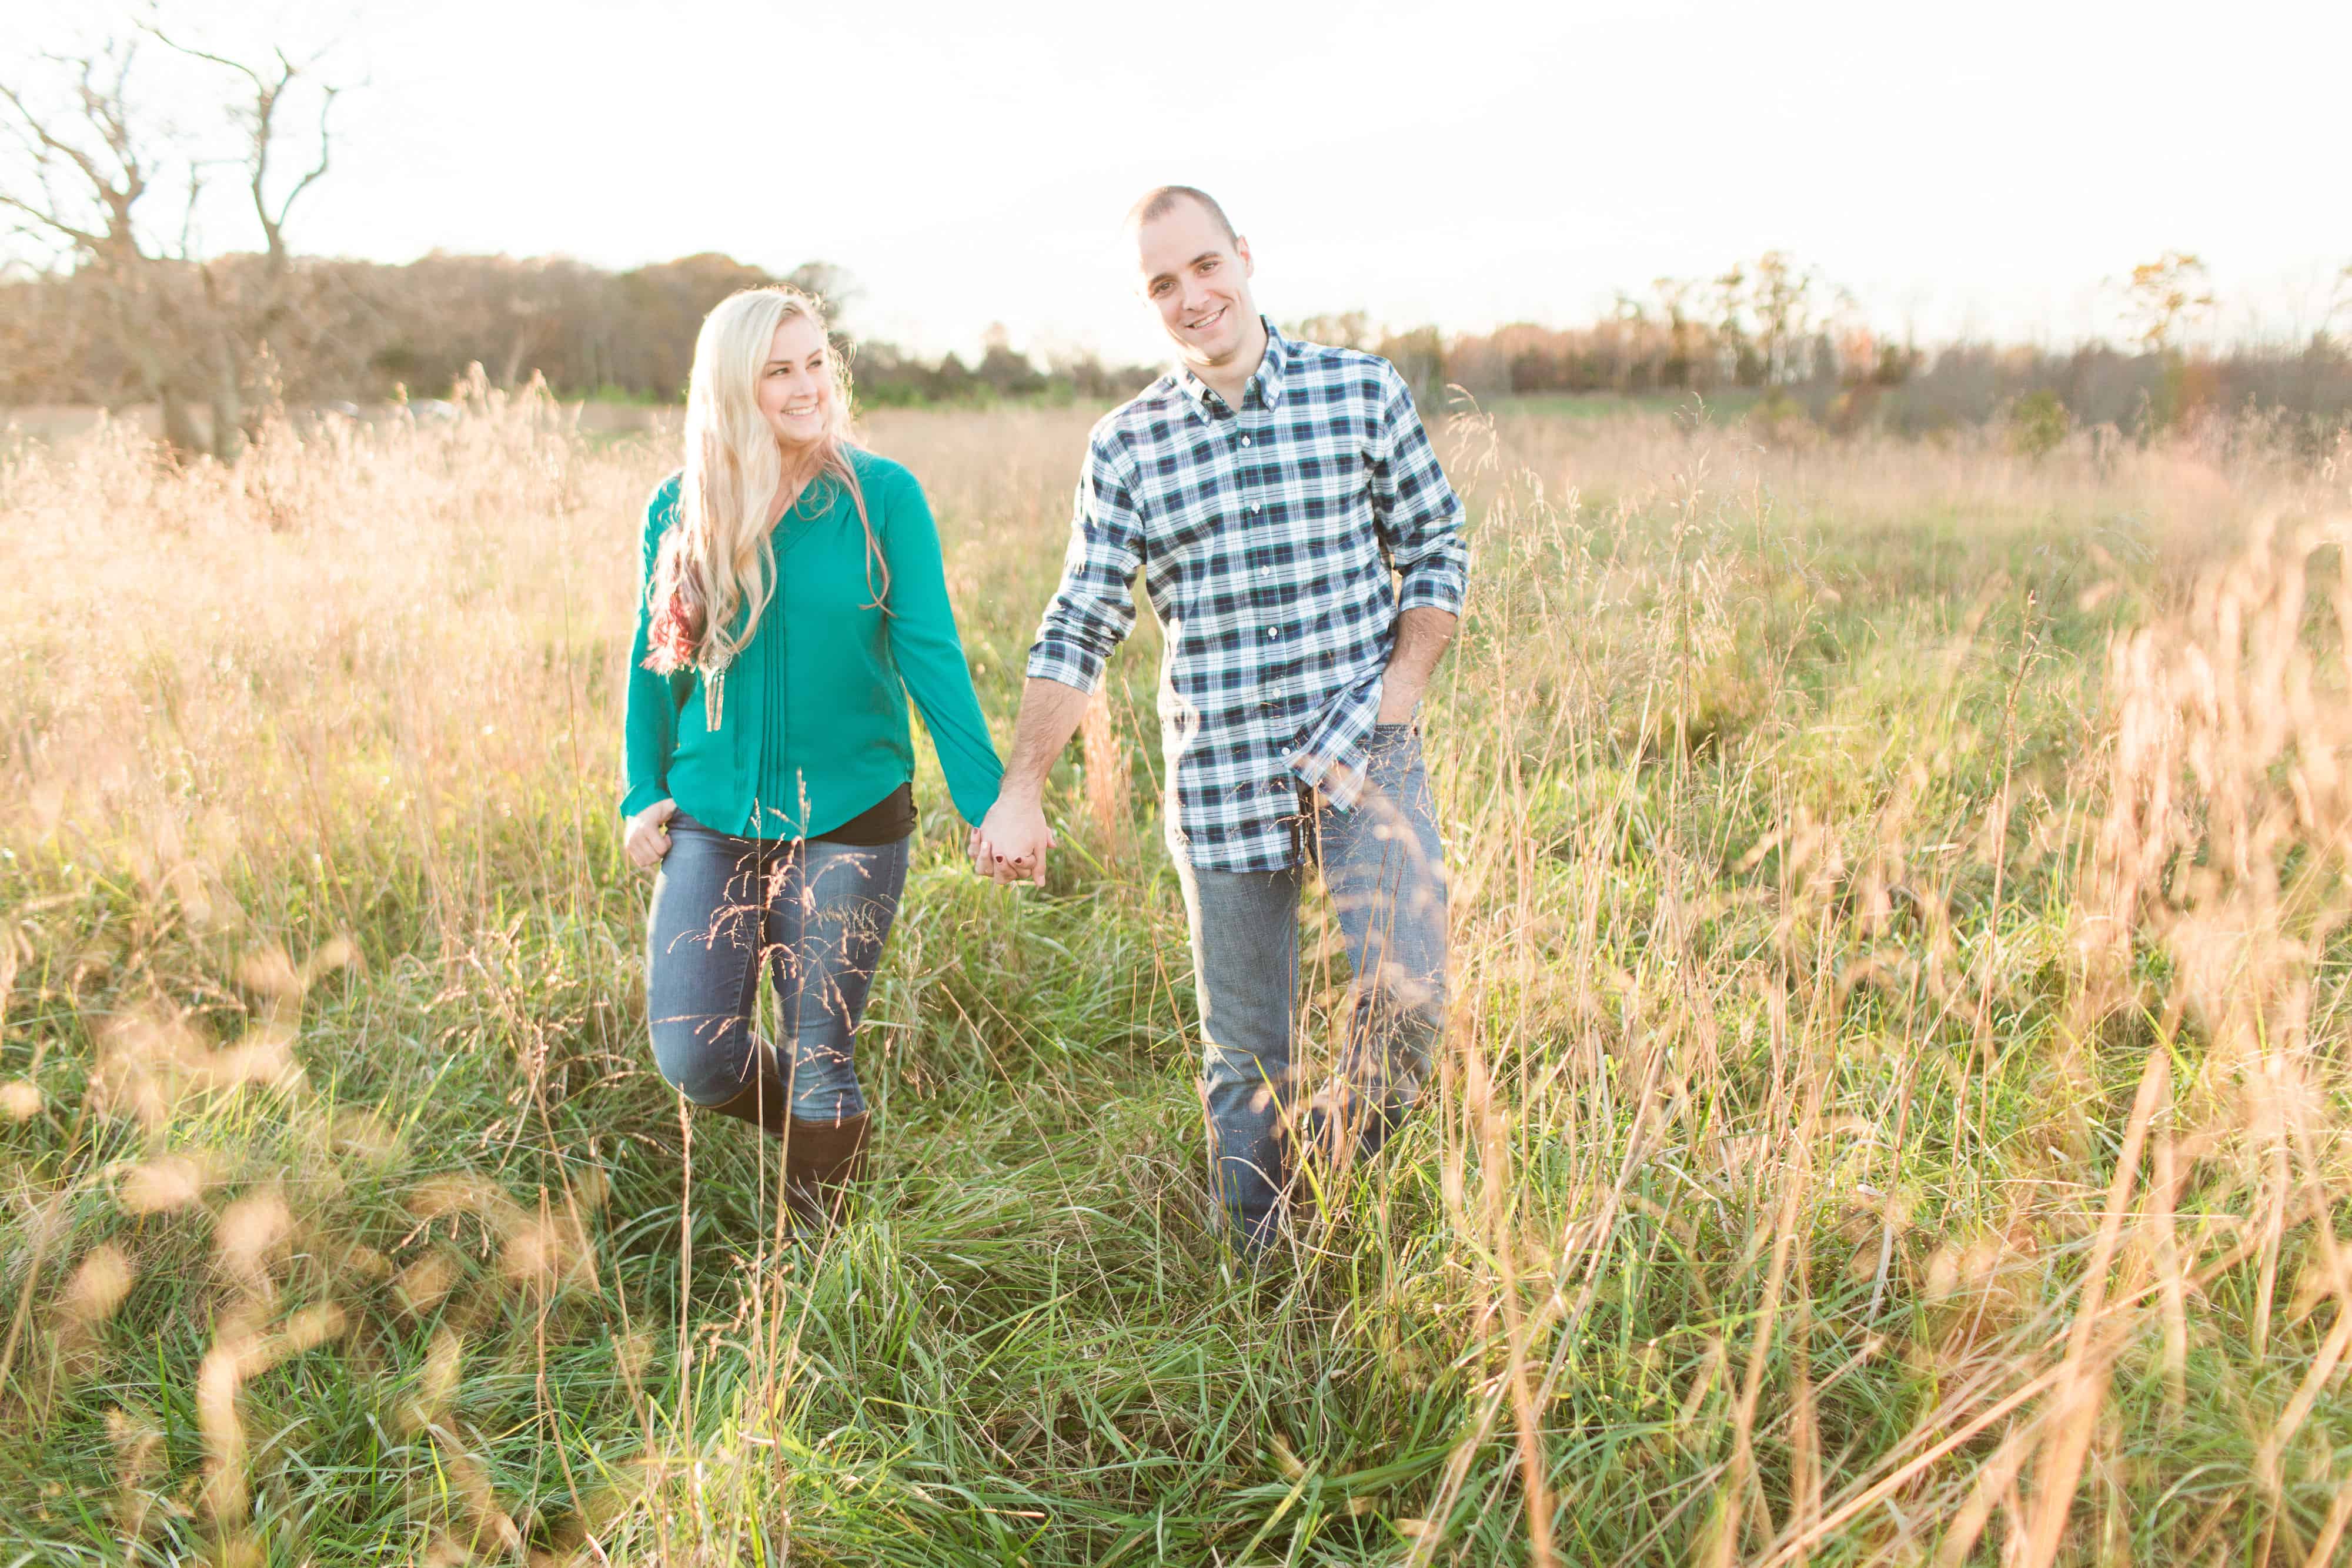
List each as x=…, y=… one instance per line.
x=822, y=1161
x=762, y=1101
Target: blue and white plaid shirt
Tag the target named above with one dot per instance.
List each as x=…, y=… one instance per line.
x=1270, y=540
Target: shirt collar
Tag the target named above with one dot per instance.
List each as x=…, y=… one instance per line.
x=1271, y=371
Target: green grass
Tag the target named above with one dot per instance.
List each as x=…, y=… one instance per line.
x=1776, y=1064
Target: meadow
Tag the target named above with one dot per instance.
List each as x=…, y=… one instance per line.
x=1896, y=1107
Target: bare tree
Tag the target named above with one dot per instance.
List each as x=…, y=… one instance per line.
x=1793, y=303
x=84, y=172
x=244, y=309
x=1674, y=302
x=76, y=183
x=1773, y=314
x=832, y=287
x=1736, y=358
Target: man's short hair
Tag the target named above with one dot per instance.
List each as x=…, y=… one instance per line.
x=1158, y=202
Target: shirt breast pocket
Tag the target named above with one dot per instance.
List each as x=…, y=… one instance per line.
x=1329, y=494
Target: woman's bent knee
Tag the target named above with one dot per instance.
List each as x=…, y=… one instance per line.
x=706, y=1066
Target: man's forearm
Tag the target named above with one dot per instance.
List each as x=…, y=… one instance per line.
x=1422, y=635
x=1050, y=713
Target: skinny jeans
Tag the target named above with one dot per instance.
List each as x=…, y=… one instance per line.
x=815, y=913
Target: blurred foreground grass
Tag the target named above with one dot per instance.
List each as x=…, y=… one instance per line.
x=1897, y=1108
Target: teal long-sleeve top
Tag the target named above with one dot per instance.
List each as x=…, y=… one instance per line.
x=813, y=713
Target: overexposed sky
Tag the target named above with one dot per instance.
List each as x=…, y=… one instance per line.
x=1982, y=168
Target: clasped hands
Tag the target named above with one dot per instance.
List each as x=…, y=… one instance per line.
x=1008, y=846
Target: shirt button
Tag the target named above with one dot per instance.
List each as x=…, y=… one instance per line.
x=1245, y=441
x=1252, y=509
x=1271, y=633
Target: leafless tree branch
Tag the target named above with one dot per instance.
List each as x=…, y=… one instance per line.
x=325, y=148
x=116, y=193
x=75, y=173
x=261, y=126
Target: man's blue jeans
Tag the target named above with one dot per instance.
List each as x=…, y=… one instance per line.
x=1384, y=866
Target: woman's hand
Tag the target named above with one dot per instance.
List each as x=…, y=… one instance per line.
x=1010, y=846
x=985, y=861
x=647, y=839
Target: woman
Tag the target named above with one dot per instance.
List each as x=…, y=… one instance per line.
x=793, y=598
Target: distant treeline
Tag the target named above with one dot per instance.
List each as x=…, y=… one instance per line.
x=1769, y=333
x=1774, y=336
x=1849, y=381
x=362, y=330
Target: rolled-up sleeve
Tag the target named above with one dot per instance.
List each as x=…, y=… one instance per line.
x=1094, y=608
x=1417, y=512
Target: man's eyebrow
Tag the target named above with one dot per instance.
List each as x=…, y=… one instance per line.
x=1194, y=262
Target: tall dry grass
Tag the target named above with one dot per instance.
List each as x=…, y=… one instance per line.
x=1895, y=1110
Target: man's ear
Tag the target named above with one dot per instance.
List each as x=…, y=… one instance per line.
x=1240, y=249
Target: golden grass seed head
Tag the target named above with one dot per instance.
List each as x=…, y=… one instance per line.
x=425, y=1284
x=163, y=1185
x=98, y=1285
x=251, y=1231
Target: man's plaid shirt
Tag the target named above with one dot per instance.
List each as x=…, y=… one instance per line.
x=1266, y=536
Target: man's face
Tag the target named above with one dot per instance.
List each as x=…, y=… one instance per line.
x=1199, y=282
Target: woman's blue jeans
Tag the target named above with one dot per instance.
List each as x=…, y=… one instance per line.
x=814, y=913
x=1383, y=864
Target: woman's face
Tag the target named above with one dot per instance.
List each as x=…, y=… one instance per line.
x=796, y=383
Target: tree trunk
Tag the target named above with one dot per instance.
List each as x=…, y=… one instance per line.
x=135, y=335
x=228, y=401
x=180, y=432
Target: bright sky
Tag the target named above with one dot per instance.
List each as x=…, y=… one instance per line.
x=1989, y=167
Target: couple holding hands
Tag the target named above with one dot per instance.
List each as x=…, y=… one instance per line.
x=1303, y=551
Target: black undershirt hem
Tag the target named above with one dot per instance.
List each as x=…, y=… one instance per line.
x=885, y=823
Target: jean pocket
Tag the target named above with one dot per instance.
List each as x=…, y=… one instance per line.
x=1391, y=753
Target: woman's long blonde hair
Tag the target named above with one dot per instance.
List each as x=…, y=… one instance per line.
x=719, y=558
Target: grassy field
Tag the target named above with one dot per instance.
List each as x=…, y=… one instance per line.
x=1896, y=1108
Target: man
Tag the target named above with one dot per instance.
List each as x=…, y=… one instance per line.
x=1272, y=493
